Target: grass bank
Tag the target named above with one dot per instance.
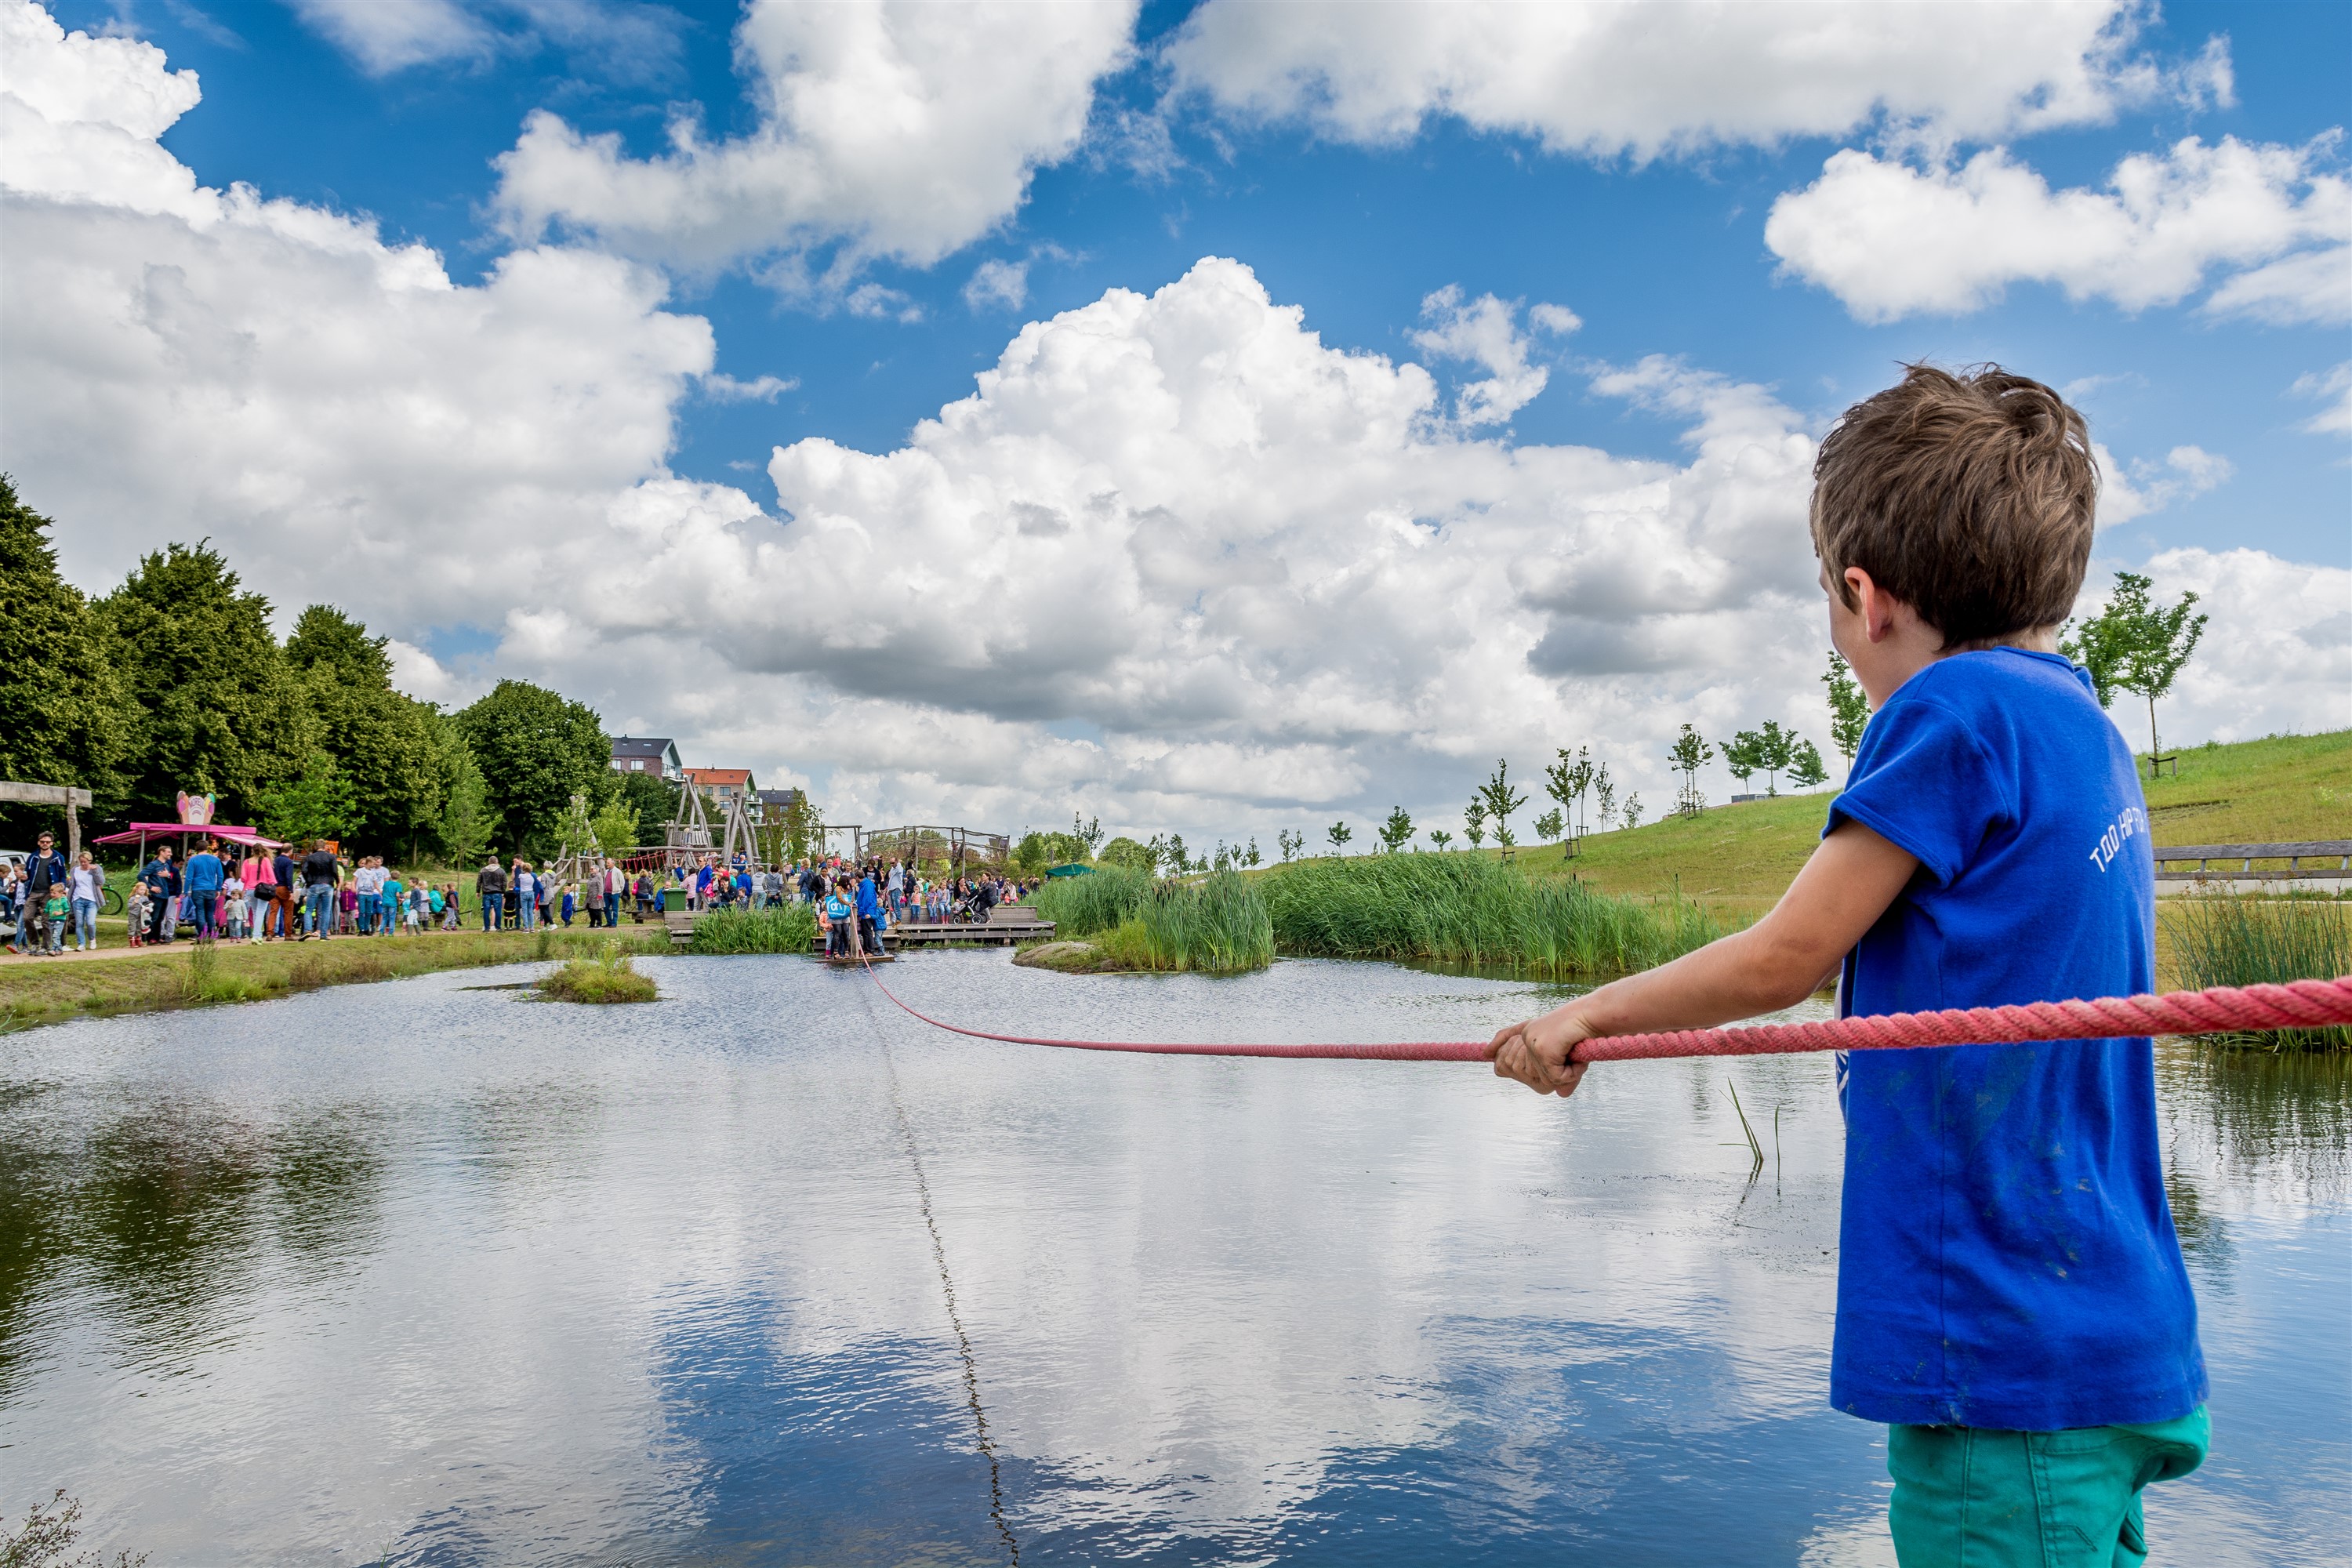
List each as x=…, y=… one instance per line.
x=1466, y=908
x=1740, y=858
x=51, y=991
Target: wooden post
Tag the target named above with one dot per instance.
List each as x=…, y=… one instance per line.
x=52, y=795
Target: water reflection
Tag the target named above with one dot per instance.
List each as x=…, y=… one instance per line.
x=552, y=1285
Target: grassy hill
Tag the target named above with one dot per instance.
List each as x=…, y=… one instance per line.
x=1739, y=859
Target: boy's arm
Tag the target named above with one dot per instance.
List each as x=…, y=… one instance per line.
x=1854, y=875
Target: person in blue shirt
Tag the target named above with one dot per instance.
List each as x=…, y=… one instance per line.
x=162, y=879
x=869, y=915
x=840, y=912
x=2011, y=1300
x=199, y=889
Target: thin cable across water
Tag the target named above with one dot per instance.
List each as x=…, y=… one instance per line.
x=2222, y=1009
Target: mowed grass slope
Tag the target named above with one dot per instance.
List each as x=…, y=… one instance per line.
x=1739, y=859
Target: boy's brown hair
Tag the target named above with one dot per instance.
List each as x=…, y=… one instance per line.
x=1969, y=497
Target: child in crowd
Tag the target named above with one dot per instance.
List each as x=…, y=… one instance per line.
x=2010, y=1297
x=135, y=910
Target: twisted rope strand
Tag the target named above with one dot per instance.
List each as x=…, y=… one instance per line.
x=2223, y=1009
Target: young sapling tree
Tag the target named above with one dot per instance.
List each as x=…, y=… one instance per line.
x=2139, y=646
x=1689, y=753
x=1339, y=832
x=1549, y=825
x=1849, y=709
x=1633, y=810
x=1806, y=770
x=1501, y=800
x=1439, y=837
x=1741, y=756
x=1397, y=831
x=1474, y=823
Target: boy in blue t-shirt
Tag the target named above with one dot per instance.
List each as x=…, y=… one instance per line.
x=2012, y=1299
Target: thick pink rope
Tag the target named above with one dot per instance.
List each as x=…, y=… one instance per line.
x=2224, y=1010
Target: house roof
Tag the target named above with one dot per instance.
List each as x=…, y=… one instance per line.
x=776, y=797
x=719, y=775
x=640, y=745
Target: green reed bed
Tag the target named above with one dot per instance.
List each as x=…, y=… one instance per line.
x=1218, y=925
x=1099, y=901
x=2224, y=940
x=1461, y=909
x=790, y=928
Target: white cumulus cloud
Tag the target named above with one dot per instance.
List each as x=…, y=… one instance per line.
x=1891, y=239
x=1485, y=332
x=894, y=130
x=1175, y=560
x=2336, y=385
x=1604, y=79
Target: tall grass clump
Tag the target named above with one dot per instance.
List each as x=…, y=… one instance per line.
x=1461, y=909
x=2223, y=940
x=1218, y=925
x=790, y=928
x=607, y=977
x=1099, y=901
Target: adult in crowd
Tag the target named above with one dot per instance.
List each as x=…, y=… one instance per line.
x=490, y=887
x=160, y=878
x=279, y=923
x=89, y=880
x=44, y=876
x=199, y=889
x=321, y=876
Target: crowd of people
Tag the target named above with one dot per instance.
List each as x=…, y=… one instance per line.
x=233, y=891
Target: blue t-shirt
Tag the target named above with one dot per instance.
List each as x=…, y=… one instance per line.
x=2007, y=1255
x=204, y=872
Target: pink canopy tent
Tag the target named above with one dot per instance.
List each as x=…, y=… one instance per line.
x=226, y=832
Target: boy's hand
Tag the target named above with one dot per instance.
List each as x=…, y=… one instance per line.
x=1536, y=1052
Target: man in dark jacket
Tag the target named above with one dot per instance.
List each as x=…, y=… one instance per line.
x=44, y=873
x=163, y=880
x=490, y=883
x=321, y=873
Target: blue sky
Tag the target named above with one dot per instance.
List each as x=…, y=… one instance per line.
x=1657, y=255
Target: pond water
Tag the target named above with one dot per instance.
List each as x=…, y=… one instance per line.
x=768, y=1273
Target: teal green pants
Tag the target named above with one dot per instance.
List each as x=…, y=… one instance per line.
x=1970, y=1497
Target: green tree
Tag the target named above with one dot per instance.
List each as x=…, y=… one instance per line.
x=652, y=798
x=1775, y=750
x=65, y=717
x=1633, y=810
x=1549, y=825
x=536, y=751
x=1439, y=837
x=1605, y=794
x=1849, y=709
x=2137, y=644
x=1740, y=757
x=316, y=802
x=1290, y=842
x=1397, y=831
x=616, y=827
x=1339, y=832
x=389, y=745
x=464, y=828
x=1125, y=853
x=215, y=707
x=1501, y=800
x=1566, y=781
x=1473, y=822
x=1689, y=753
x=1249, y=857
x=1806, y=769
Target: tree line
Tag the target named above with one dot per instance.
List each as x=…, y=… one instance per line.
x=174, y=681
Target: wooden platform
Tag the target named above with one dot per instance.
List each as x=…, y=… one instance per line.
x=1007, y=925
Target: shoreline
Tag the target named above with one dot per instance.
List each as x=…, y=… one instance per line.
x=35, y=991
